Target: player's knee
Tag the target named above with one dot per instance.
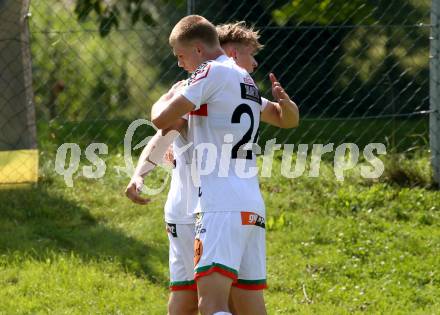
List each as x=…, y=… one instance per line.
x=172, y=307
x=211, y=306
x=205, y=306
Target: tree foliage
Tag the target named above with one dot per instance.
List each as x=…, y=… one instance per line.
x=337, y=57
x=108, y=13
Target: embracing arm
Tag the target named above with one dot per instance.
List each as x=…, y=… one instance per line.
x=152, y=155
x=154, y=152
x=166, y=111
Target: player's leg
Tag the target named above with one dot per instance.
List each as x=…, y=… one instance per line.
x=247, y=293
x=183, y=302
x=217, y=253
x=183, y=296
x=248, y=302
x=231, y=304
x=213, y=292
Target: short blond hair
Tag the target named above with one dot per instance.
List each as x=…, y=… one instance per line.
x=194, y=27
x=239, y=33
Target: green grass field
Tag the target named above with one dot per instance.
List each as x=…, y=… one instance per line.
x=352, y=247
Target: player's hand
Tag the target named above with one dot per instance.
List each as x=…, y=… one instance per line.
x=277, y=90
x=169, y=156
x=132, y=192
x=178, y=85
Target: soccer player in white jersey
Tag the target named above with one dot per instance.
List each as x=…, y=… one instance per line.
x=226, y=253
x=240, y=43
x=178, y=208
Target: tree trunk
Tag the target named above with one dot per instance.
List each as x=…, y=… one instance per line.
x=17, y=113
x=18, y=154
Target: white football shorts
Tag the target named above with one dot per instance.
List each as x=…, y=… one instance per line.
x=232, y=244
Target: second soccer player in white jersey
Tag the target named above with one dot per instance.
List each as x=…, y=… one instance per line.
x=240, y=43
x=221, y=84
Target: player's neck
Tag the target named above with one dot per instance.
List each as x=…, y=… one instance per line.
x=214, y=54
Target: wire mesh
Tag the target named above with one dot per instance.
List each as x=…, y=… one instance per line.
x=358, y=70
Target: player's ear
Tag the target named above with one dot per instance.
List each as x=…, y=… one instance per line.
x=234, y=52
x=199, y=47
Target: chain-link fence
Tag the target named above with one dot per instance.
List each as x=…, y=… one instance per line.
x=359, y=70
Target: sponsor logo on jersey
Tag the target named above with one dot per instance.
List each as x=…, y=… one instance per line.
x=250, y=218
x=250, y=92
x=198, y=251
x=172, y=229
x=199, y=217
x=199, y=229
x=200, y=73
x=248, y=80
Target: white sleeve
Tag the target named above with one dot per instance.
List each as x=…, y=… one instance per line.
x=202, y=84
x=264, y=102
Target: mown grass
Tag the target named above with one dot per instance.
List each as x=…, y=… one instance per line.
x=399, y=134
x=358, y=246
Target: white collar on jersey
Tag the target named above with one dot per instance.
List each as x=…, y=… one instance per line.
x=222, y=58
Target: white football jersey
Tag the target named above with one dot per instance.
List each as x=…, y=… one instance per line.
x=264, y=103
x=182, y=196
x=226, y=116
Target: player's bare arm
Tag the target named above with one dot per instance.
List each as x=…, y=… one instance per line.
x=160, y=103
x=165, y=112
x=152, y=155
x=283, y=113
x=154, y=152
x=241, y=43
x=145, y=164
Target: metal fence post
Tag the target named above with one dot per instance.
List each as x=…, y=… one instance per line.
x=434, y=122
x=190, y=7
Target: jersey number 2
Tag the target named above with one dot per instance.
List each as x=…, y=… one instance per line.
x=236, y=118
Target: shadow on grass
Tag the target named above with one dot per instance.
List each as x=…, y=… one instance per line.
x=36, y=223
x=404, y=170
